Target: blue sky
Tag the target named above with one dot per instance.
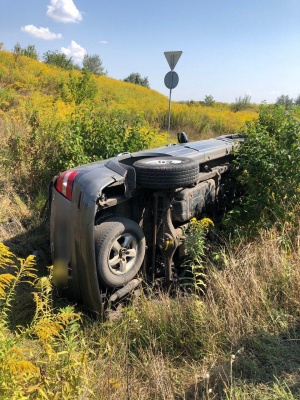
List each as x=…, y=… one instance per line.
x=230, y=47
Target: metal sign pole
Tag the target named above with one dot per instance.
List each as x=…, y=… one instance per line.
x=170, y=95
x=171, y=79
x=169, y=115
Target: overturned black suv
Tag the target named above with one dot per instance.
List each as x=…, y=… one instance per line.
x=117, y=219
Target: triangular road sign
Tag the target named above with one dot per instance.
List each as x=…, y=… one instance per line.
x=172, y=58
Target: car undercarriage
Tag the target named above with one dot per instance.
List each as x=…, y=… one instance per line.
x=117, y=222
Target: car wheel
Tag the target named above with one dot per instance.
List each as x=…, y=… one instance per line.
x=120, y=250
x=166, y=172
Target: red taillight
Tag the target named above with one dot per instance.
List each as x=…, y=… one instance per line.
x=64, y=183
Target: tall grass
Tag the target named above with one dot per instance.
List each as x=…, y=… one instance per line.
x=240, y=339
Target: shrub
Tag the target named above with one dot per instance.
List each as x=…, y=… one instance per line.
x=7, y=99
x=242, y=103
x=29, y=51
x=286, y=101
x=92, y=136
x=86, y=136
x=269, y=169
x=58, y=59
x=209, y=101
x=137, y=79
x=79, y=88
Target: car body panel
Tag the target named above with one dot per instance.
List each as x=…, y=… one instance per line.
x=200, y=150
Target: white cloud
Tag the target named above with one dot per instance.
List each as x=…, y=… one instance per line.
x=103, y=42
x=64, y=11
x=75, y=51
x=41, y=33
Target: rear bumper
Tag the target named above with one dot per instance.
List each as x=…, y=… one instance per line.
x=61, y=228
x=72, y=248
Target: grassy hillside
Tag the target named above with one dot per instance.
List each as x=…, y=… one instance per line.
x=237, y=339
x=30, y=85
x=75, y=118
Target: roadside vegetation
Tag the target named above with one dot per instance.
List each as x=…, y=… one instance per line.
x=232, y=331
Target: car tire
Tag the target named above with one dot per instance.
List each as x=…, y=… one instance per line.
x=120, y=250
x=165, y=172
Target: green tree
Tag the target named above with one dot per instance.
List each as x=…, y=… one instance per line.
x=297, y=101
x=93, y=64
x=209, y=101
x=137, y=79
x=285, y=100
x=29, y=51
x=58, y=59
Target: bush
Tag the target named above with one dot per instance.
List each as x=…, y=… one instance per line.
x=137, y=79
x=79, y=88
x=209, y=101
x=85, y=137
x=58, y=59
x=92, y=136
x=286, y=101
x=269, y=170
x=242, y=103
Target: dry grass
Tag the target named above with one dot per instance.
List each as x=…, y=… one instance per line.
x=241, y=339
x=259, y=281
x=14, y=212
